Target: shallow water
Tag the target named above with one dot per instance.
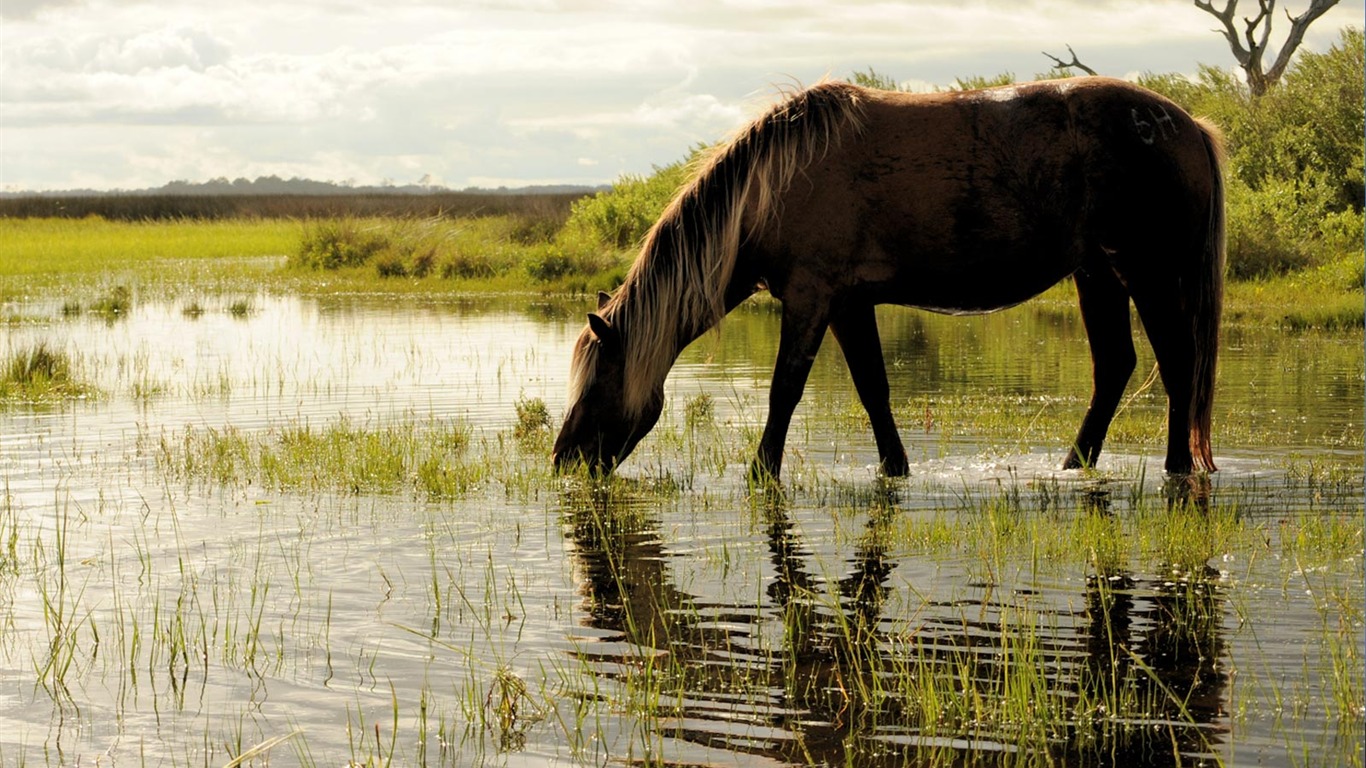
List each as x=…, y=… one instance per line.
x=155, y=618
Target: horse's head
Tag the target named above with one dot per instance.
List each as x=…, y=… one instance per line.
x=600, y=429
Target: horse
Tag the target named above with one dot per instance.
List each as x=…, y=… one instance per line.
x=841, y=198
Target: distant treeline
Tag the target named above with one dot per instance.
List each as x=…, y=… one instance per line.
x=274, y=185
x=145, y=207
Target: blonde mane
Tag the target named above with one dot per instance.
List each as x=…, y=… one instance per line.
x=676, y=288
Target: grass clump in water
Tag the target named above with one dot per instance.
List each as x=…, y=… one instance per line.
x=115, y=304
x=533, y=422
x=241, y=308
x=340, y=457
x=39, y=373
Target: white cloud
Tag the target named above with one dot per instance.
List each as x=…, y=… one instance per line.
x=132, y=93
x=686, y=114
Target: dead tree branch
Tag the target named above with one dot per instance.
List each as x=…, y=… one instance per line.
x=1249, y=44
x=1075, y=62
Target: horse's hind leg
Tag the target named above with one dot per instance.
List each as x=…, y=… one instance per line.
x=1169, y=332
x=855, y=329
x=1105, y=313
x=802, y=332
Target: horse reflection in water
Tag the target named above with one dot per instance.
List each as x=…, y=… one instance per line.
x=840, y=685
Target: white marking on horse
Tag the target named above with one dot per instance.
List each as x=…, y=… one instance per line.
x=1000, y=94
x=1165, y=122
x=1161, y=125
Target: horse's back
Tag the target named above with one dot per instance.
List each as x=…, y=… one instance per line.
x=974, y=200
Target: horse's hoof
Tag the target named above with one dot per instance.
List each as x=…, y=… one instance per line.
x=1075, y=461
x=898, y=466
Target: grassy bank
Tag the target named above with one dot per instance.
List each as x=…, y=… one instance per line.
x=225, y=207
x=77, y=260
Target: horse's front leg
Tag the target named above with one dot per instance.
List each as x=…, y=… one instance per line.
x=803, y=329
x=855, y=329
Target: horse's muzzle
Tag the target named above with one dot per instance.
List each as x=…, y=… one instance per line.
x=568, y=459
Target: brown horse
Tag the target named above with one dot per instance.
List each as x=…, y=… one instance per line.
x=842, y=198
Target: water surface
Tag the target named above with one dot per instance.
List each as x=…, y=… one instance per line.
x=156, y=618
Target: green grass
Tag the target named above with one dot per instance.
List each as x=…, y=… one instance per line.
x=340, y=457
x=40, y=373
x=50, y=248
x=485, y=254
x=1328, y=297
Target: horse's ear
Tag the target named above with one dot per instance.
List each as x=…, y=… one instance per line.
x=603, y=298
x=602, y=329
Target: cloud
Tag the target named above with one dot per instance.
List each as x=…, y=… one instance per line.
x=686, y=114
x=479, y=89
x=29, y=9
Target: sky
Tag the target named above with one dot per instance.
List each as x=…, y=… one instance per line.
x=125, y=94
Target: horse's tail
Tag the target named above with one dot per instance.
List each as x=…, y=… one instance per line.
x=1208, y=306
x=676, y=288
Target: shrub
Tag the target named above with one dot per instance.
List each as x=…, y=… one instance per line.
x=549, y=263
x=621, y=216
x=390, y=264
x=467, y=265
x=1295, y=157
x=337, y=243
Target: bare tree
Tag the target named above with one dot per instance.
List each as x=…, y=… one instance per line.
x=1075, y=62
x=1250, y=43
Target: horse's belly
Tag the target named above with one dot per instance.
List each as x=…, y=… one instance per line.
x=969, y=285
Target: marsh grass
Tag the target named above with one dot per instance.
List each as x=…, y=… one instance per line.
x=241, y=308
x=993, y=661
x=339, y=457
x=532, y=428
x=1328, y=297
x=47, y=251
x=979, y=654
x=116, y=303
x=40, y=373
x=490, y=251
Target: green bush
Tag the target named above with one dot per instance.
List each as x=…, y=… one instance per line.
x=1295, y=158
x=549, y=263
x=621, y=216
x=337, y=243
x=467, y=265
